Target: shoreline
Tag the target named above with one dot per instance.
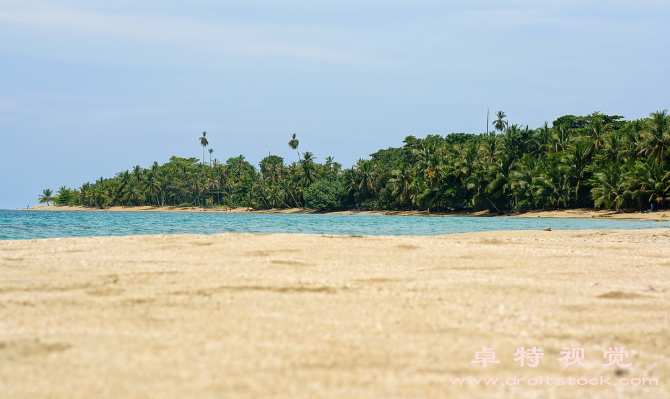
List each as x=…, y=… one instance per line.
x=663, y=216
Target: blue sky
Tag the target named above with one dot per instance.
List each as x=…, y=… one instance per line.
x=90, y=88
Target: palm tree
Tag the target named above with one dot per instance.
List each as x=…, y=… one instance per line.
x=610, y=188
x=204, y=143
x=616, y=149
x=553, y=187
x=64, y=196
x=649, y=183
x=402, y=180
x=560, y=139
x=597, y=133
x=500, y=123
x=365, y=176
x=151, y=186
x=576, y=160
x=293, y=144
x=308, y=169
x=46, y=197
x=211, y=150
x=521, y=180
x=328, y=165
x=655, y=142
x=489, y=147
x=137, y=173
x=542, y=140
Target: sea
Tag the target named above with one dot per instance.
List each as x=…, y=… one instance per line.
x=27, y=224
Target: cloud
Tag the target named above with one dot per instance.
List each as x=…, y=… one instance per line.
x=226, y=38
x=6, y=105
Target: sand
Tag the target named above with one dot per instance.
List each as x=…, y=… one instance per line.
x=306, y=316
x=569, y=213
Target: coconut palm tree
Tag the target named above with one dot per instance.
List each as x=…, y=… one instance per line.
x=308, y=169
x=211, y=150
x=616, y=148
x=401, y=181
x=366, y=177
x=610, y=188
x=596, y=131
x=542, y=140
x=489, y=147
x=46, y=197
x=204, y=143
x=553, y=187
x=649, y=183
x=151, y=186
x=328, y=165
x=137, y=173
x=655, y=142
x=521, y=180
x=293, y=144
x=560, y=139
x=500, y=123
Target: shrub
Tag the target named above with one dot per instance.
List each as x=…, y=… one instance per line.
x=324, y=195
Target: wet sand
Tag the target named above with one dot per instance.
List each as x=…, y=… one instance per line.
x=305, y=316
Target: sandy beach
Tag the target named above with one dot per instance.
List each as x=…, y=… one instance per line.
x=305, y=316
x=569, y=213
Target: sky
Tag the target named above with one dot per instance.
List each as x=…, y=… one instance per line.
x=91, y=88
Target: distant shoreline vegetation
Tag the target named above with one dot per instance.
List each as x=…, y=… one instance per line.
x=598, y=160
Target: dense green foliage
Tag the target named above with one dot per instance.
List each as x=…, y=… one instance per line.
x=580, y=161
x=324, y=195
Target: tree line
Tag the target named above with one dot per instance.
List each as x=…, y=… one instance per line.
x=598, y=160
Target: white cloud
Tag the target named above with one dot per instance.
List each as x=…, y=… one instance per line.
x=8, y=105
x=226, y=38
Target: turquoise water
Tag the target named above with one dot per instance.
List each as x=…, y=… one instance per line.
x=17, y=225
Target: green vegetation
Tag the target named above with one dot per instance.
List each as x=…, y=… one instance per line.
x=580, y=161
x=325, y=195
x=46, y=197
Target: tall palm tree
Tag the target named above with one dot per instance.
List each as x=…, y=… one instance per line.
x=204, y=143
x=500, y=123
x=211, y=150
x=560, y=139
x=293, y=144
x=137, y=173
x=328, y=165
x=46, y=197
x=542, y=139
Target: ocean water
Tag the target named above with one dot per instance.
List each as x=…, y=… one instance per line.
x=20, y=224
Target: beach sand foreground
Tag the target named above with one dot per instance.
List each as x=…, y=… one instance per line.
x=305, y=316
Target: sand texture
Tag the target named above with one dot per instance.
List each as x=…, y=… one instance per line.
x=304, y=316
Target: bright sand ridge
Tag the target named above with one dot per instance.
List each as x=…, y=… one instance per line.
x=305, y=316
